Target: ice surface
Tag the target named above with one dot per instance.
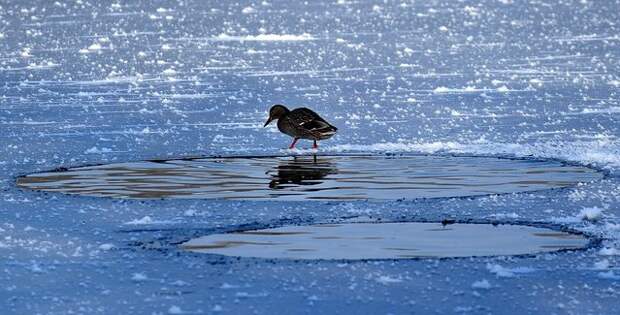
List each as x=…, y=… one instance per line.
x=86, y=82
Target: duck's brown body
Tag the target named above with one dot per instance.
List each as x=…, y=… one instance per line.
x=301, y=123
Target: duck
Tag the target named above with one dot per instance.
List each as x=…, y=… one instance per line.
x=300, y=123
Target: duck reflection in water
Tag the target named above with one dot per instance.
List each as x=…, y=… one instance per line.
x=308, y=170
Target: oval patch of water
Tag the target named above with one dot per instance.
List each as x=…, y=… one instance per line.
x=355, y=241
x=312, y=177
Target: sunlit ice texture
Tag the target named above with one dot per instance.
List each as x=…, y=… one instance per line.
x=89, y=82
x=402, y=73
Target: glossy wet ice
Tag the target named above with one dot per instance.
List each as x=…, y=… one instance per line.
x=386, y=241
x=312, y=177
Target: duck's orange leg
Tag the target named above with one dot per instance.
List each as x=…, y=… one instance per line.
x=315, y=146
x=293, y=144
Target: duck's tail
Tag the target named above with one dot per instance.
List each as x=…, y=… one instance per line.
x=327, y=132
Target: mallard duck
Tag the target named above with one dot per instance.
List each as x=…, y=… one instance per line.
x=300, y=123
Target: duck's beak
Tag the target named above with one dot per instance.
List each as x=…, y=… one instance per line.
x=268, y=121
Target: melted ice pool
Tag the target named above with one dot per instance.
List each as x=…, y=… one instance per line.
x=386, y=241
x=312, y=177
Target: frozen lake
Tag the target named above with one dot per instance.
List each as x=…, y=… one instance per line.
x=111, y=82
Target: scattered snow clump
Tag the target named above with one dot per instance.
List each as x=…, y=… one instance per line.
x=590, y=213
x=441, y=89
x=95, y=46
x=609, y=251
x=139, y=277
x=481, y=284
x=601, y=265
x=608, y=275
x=501, y=271
x=248, y=10
x=169, y=72
x=388, y=280
x=106, y=246
x=95, y=150
x=175, y=310
x=264, y=37
x=145, y=220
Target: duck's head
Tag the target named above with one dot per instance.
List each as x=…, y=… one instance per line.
x=276, y=112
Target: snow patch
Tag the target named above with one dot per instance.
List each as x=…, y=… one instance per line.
x=504, y=272
x=483, y=284
x=388, y=280
x=511, y=215
x=175, y=310
x=106, y=246
x=144, y=220
x=607, y=110
x=586, y=214
x=264, y=37
x=139, y=277
x=600, y=152
x=590, y=213
x=95, y=150
x=602, y=265
x=169, y=72
x=609, y=251
x=95, y=47
x=503, y=89
x=467, y=89
x=248, y=10
x=609, y=275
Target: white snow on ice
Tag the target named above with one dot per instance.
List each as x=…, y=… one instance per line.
x=263, y=38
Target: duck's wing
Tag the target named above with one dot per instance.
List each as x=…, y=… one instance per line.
x=312, y=123
x=310, y=120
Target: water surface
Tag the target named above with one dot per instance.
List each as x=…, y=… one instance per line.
x=312, y=177
x=386, y=241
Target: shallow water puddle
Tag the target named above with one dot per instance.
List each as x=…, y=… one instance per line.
x=312, y=177
x=386, y=241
